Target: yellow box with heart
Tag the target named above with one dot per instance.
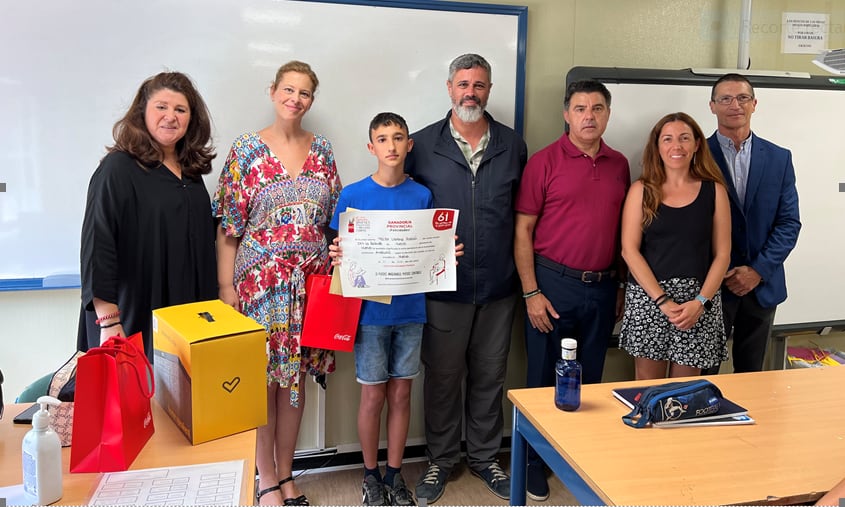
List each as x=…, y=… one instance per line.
x=210, y=369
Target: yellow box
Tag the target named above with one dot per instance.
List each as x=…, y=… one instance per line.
x=210, y=369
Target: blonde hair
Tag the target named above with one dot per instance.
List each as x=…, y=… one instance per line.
x=296, y=66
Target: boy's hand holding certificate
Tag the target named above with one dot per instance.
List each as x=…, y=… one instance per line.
x=397, y=252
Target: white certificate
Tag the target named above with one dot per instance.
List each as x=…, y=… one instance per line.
x=391, y=253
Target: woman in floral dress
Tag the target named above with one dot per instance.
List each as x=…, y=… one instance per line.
x=275, y=197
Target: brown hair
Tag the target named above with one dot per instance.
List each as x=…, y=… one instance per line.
x=702, y=168
x=296, y=66
x=194, y=150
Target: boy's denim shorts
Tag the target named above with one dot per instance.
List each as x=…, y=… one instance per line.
x=385, y=352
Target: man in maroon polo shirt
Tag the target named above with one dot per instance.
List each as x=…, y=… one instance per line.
x=566, y=246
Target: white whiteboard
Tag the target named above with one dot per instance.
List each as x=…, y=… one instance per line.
x=807, y=121
x=71, y=69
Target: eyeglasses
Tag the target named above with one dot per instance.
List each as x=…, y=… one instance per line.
x=726, y=100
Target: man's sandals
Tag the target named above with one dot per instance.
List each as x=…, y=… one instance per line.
x=300, y=500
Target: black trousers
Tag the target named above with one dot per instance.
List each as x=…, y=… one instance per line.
x=750, y=326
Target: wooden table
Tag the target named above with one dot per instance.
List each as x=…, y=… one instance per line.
x=794, y=453
x=167, y=447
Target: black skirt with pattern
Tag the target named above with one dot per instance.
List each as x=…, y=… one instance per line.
x=646, y=331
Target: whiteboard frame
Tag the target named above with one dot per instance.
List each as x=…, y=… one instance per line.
x=519, y=12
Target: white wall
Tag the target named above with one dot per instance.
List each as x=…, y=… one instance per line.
x=37, y=335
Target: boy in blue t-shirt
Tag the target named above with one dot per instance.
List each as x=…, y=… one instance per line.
x=387, y=347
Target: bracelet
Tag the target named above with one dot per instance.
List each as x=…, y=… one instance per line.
x=110, y=325
x=533, y=293
x=108, y=316
x=659, y=300
x=662, y=299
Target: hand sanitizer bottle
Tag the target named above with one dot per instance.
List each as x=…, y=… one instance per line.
x=42, y=458
x=568, y=377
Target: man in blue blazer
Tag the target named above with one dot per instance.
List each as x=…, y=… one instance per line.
x=764, y=221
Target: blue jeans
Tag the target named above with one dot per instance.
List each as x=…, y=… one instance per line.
x=385, y=352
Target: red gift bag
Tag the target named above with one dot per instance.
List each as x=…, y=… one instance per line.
x=330, y=320
x=112, y=419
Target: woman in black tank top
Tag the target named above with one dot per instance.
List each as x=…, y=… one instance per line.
x=676, y=234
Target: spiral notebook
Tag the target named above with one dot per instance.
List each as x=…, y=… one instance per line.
x=729, y=412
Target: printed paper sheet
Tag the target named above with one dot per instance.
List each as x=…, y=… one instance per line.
x=391, y=253
x=205, y=484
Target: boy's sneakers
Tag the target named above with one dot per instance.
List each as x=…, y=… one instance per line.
x=374, y=491
x=537, y=484
x=497, y=481
x=432, y=483
x=398, y=493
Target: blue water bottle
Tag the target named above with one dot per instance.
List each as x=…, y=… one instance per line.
x=568, y=377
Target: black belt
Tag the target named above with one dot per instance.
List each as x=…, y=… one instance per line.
x=584, y=276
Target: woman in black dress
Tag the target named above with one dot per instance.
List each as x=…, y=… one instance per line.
x=676, y=240
x=148, y=234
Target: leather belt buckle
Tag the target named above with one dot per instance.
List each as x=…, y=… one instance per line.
x=588, y=276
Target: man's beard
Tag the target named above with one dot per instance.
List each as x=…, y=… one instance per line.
x=469, y=114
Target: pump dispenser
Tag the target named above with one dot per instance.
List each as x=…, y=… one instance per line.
x=42, y=458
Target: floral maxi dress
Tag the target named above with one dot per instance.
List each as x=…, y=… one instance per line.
x=280, y=222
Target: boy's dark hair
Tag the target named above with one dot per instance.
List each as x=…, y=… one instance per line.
x=585, y=86
x=733, y=77
x=387, y=119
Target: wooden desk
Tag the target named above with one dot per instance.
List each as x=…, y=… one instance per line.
x=167, y=447
x=794, y=453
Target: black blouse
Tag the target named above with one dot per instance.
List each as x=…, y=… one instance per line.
x=147, y=242
x=678, y=242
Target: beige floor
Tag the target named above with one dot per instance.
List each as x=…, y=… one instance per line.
x=344, y=487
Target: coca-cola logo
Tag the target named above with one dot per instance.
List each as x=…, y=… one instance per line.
x=148, y=419
x=343, y=337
